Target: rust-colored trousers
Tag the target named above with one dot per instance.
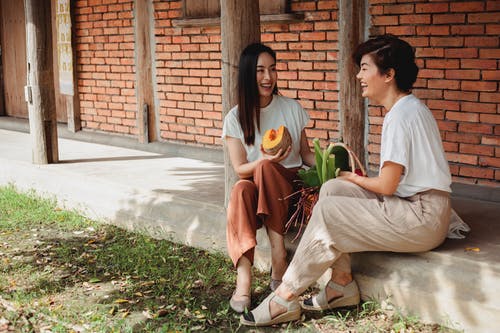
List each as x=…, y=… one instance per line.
x=255, y=202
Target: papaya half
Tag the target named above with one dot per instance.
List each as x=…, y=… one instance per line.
x=276, y=139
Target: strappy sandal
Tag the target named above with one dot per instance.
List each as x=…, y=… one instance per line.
x=261, y=316
x=319, y=302
x=241, y=305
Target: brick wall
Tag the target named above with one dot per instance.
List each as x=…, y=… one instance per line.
x=188, y=77
x=458, y=50
x=105, y=65
x=457, y=46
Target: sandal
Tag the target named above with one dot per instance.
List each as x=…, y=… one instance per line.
x=261, y=316
x=241, y=305
x=349, y=297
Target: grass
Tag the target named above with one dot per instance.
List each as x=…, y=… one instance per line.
x=62, y=272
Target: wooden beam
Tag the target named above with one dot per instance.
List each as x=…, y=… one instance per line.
x=351, y=103
x=40, y=86
x=146, y=111
x=240, y=26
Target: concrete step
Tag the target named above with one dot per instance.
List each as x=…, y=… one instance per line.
x=181, y=198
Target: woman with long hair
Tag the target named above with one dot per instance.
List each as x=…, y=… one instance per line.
x=257, y=198
x=405, y=208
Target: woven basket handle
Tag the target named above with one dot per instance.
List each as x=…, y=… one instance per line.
x=353, y=159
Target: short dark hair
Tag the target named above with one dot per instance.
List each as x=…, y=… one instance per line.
x=388, y=51
x=248, y=91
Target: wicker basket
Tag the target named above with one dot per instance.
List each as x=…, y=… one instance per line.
x=306, y=197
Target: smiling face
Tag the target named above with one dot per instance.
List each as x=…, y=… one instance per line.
x=373, y=83
x=266, y=78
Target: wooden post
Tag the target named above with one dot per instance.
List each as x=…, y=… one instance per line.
x=240, y=26
x=351, y=103
x=146, y=116
x=39, y=90
x=73, y=102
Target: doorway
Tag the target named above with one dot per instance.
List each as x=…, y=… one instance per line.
x=13, y=62
x=13, y=44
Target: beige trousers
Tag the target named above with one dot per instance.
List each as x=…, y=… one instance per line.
x=348, y=218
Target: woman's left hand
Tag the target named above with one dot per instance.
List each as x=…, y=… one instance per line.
x=385, y=183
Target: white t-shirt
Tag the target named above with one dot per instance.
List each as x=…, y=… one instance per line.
x=281, y=111
x=410, y=137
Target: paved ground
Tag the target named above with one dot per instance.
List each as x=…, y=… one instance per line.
x=170, y=195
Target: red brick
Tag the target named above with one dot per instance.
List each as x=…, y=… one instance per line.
x=478, y=107
x=493, y=29
x=312, y=36
x=462, y=158
x=461, y=96
x=483, y=17
x=489, y=97
x=443, y=104
x=450, y=146
x=448, y=18
x=435, y=30
x=432, y=8
x=481, y=42
x=462, y=116
x=432, y=74
x=385, y=20
x=463, y=138
x=490, y=140
x=463, y=74
x=313, y=56
x=461, y=53
x=471, y=6
x=478, y=63
x=490, y=54
x=490, y=118
x=476, y=149
x=467, y=30
x=475, y=172
x=444, y=84
x=442, y=63
x=479, y=86
x=446, y=41
x=430, y=52
x=475, y=128
x=328, y=25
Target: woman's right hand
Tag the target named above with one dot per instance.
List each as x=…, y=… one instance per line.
x=280, y=155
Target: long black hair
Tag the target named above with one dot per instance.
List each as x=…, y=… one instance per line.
x=248, y=91
x=388, y=51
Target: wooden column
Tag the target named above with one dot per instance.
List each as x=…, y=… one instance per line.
x=240, y=26
x=351, y=103
x=40, y=81
x=146, y=113
x=73, y=102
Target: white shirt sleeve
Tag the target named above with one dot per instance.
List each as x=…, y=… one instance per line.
x=231, y=126
x=395, y=143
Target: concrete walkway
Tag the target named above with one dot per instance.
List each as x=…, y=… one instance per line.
x=169, y=195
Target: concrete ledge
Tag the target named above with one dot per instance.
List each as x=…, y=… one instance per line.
x=182, y=199
x=462, y=294
x=451, y=285
x=166, y=148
